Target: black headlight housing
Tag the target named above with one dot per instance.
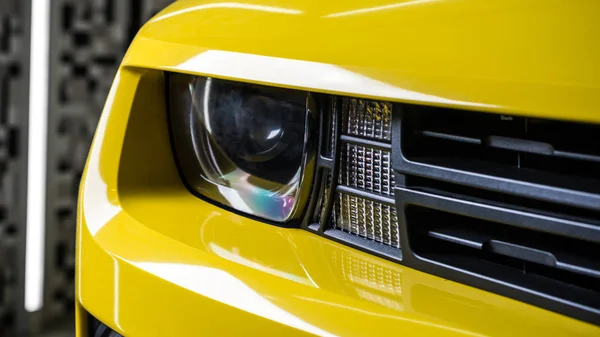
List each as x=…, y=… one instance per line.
x=244, y=146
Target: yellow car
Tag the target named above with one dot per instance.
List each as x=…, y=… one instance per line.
x=348, y=168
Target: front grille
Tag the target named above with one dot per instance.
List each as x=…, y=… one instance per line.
x=358, y=203
x=505, y=203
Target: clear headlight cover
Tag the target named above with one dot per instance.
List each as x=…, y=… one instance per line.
x=245, y=146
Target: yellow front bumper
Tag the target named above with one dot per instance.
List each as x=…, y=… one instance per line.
x=245, y=278
x=153, y=260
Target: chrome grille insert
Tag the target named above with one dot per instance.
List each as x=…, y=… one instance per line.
x=368, y=119
x=367, y=218
x=366, y=168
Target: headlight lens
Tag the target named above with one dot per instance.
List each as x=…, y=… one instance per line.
x=245, y=146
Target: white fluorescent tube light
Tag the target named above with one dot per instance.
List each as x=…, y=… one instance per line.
x=36, y=155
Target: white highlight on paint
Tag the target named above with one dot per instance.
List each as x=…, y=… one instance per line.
x=377, y=9
x=260, y=8
x=231, y=256
x=225, y=288
x=99, y=210
x=36, y=160
x=302, y=74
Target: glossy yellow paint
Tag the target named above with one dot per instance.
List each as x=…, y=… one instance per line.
x=153, y=260
x=533, y=57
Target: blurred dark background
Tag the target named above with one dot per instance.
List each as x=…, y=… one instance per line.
x=87, y=40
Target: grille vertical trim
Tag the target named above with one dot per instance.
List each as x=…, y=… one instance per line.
x=321, y=201
x=463, y=267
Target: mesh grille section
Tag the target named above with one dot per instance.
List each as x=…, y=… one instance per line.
x=366, y=218
x=367, y=168
x=369, y=119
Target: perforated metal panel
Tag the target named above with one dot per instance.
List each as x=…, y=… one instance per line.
x=14, y=72
x=367, y=168
x=366, y=218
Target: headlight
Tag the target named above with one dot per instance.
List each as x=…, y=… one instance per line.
x=245, y=146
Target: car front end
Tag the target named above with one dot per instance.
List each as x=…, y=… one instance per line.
x=347, y=168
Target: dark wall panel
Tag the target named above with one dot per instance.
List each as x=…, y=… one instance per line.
x=88, y=39
x=14, y=73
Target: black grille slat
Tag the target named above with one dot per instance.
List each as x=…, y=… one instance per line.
x=444, y=232
x=513, y=144
x=509, y=204
x=578, y=156
x=565, y=155
x=448, y=136
x=491, y=244
x=575, y=301
x=517, y=144
x=565, y=228
x=581, y=216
